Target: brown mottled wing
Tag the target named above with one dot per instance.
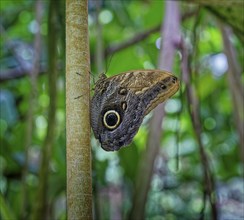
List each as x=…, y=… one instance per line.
x=131, y=95
x=145, y=82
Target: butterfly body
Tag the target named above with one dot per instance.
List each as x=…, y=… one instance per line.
x=120, y=103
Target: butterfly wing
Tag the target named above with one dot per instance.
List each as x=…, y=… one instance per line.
x=120, y=103
x=154, y=86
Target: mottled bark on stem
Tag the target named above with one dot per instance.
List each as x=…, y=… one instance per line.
x=79, y=179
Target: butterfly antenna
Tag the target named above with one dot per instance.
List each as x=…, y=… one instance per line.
x=107, y=66
x=93, y=77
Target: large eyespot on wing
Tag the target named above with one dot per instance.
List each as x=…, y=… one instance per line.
x=131, y=113
x=111, y=119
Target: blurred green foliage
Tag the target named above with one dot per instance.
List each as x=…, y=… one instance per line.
x=174, y=194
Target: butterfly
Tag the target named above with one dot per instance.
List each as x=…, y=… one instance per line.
x=120, y=103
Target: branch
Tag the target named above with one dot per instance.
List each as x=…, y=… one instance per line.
x=236, y=88
x=170, y=28
x=78, y=148
x=6, y=211
x=32, y=107
x=135, y=39
x=111, y=49
x=18, y=72
x=209, y=183
x=40, y=211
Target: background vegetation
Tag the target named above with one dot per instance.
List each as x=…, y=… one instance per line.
x=199, y=167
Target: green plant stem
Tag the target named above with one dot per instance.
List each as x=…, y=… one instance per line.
x=40, y=211
x=31, y=109
x=5, y=211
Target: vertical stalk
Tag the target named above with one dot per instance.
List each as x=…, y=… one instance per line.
x=170, y=33
x=194, y=112
x=236, y=88
x=99, y=59
x=79, y=179
x=32, y=107
x=40, y=211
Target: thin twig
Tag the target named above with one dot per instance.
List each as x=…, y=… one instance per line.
x=40, y=210
x=170, y=27
x=32, y=107
x=235, y=85
x=193, y=101
x=141, y=36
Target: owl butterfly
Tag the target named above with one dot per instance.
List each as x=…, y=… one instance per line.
x=120, y=103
